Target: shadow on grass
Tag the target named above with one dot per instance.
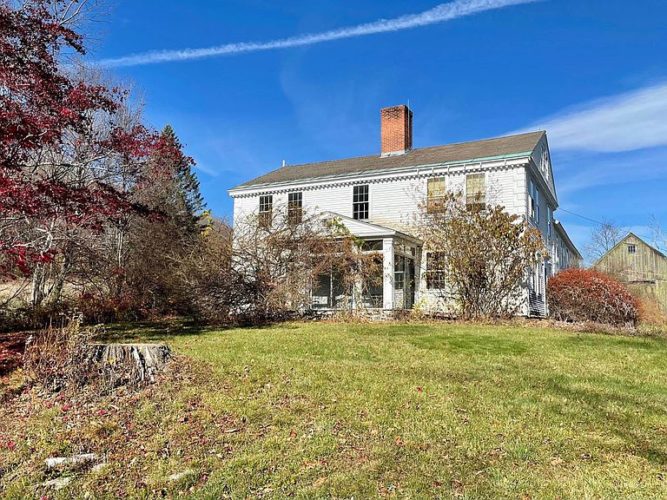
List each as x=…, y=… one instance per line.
x=621, y=408
x=606, y=341
x=156, y=331
x=467, y=343
x=153, y=331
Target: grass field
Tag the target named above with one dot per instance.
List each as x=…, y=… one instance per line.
x=359, y=410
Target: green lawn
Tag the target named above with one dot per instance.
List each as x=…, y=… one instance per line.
x=366, y=410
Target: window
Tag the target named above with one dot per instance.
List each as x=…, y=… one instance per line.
x=632, y=248
x=550, y=217
x=265, y=210
x=360, y=202
x=475, y=191
x=371, y=245
x=435, y=270
x=295, y=207
x=534, y=201
x=399, y=272
x=435, y=194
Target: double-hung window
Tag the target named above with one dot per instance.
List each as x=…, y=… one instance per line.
x=399, y=272
x=360, y=205
x=435, y=194
x=265, y=210
x=435, y=270
x=475, y=191
x=295, y=207
x=534, y=201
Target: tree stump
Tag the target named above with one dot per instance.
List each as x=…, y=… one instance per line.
x=129, y=364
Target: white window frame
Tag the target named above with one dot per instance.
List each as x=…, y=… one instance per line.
x=368, y=201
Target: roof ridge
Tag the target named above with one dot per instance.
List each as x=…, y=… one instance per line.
x=475, y=150
x=409, y=151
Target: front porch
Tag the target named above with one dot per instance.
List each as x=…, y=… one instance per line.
x=398, y=284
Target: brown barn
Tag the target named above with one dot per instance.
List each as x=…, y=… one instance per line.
x=640, y=266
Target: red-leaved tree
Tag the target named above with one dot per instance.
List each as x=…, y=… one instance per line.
x=49, y=136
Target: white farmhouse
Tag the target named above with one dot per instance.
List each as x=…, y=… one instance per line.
x=378, y=198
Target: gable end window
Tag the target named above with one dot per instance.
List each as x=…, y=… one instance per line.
x=360, y=205
x=295, y=207
x=265, y=210
x=632, y=248
x=475, y=191
x=435, y=194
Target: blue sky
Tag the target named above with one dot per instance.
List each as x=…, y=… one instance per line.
x=592, y=72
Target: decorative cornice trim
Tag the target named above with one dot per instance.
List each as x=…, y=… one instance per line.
x=382, y=176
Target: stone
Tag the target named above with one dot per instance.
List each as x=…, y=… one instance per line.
x=58, y=483
x=180, y=475
x=99, y=467
x=58, y=462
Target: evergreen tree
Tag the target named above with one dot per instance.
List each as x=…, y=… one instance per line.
x=185, y=179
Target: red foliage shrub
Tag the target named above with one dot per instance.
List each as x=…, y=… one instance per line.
x=588, y=295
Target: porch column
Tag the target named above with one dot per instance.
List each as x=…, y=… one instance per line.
x=388, y=273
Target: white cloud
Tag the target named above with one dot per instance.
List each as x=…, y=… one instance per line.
x=438, y=14
x=625, y=122
x=582, y=171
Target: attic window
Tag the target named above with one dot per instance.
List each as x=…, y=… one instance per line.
x=632, y=248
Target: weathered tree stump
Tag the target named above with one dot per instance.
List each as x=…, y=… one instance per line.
x=129, y=364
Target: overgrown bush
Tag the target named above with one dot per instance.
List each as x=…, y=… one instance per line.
x=67, y=358
x=588, y=295
x=55, y=357
x=652, y=318
x=482, y=250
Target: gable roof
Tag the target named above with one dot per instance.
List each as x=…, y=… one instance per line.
x=623, y=240
x=513, y=145
x=365, y=229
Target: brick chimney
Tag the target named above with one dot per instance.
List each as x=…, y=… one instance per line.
x=396, y=130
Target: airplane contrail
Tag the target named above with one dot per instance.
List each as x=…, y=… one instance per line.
x=438, y=14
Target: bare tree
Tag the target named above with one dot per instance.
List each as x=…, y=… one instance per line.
x=603, y=238
x=280, y=258
x=483, y=254
x=658, y=235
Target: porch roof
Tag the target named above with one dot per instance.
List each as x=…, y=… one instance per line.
x=364, y=229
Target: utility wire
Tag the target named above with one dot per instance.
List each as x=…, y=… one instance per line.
x=582, y=216
x=645, y=236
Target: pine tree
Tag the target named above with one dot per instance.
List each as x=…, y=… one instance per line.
x=185, y=179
